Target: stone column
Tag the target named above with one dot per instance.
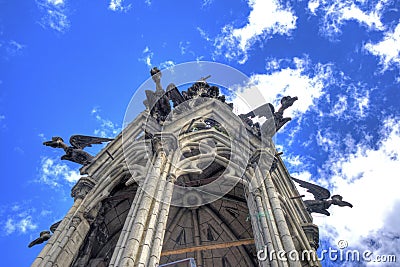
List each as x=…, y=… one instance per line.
x=158, y=238
x=130, y=251
x=279, y=216
x=50, y=254
x=127, y=228
x=280, y=233
x=158, y=218
x=144, y=228
x=264, y=219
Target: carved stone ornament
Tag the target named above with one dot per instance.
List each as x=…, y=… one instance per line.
x=75, y=152
x=165, y=142
x=91, y=214
x=157, y=103
x=257, y=192
x=82, y=187
x=75, y=221
x=312, y=233
x=268, y=111
x=320, y=203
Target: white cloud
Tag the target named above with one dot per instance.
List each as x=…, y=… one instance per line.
x=340, y=106
x=55, y=174
x=15, y=207
x=167, y=64
x=367, y=179
x=358, y=99
x=148, y=55
x=26, y=224
x=327, y=140
x=21, y=217
x=42, y=137
x=206, y=3
x=148, y=60
x=107, y=128
x=352, y=102
x=54, y=14
x=334, y=142
x=336, y=13
x=11, y=48
x=313, y=6
x=203, y=34
x=372, y=19
x=10, y=227
x=266, y=18
x=116, y=5
x=183, y=46
x=363, y=104
x=293, y=160
x=350, y=107
x=303, y=80
x=146, y=50
x=388, y=49
x=15, y=47
x=18, y=220
x=44, y=213
x=56, y=2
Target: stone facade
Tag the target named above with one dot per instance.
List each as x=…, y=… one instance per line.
x=125, y=211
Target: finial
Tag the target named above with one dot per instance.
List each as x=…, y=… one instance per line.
x=203, y=79
x=156, y=76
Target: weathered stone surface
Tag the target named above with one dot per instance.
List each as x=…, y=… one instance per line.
x=124, y=213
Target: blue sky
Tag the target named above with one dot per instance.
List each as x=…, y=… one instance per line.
x=71, y=67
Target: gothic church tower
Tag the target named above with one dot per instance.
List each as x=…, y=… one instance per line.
x=186, y=183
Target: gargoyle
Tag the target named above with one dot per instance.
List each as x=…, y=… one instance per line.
x=268, y=111
x=320, y=204
x=44, y=235
x=286, y=102
x=75, y=152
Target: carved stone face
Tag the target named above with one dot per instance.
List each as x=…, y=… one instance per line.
x=44, y=233
x=57, y=139
x=56, y=142
x=337, y=197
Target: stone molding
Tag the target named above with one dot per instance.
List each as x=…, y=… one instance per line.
x=82, y=187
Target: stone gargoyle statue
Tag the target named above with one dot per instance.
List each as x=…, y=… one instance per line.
x=75, y=152
x=44, y=235
x=320, y=203
x=268, y=111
